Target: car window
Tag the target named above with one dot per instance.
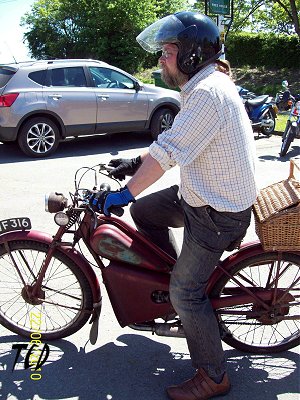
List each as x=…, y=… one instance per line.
x=5, y=76
x=109, y=78
x=38, y=76
x=71, y=77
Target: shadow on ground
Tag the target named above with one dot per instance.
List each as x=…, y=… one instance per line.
x=138, y=368
x=82, y=146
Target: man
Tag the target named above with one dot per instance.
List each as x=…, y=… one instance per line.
x=212, y=142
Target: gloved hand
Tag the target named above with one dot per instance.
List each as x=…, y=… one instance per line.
x=103, y=200
x=124, y=166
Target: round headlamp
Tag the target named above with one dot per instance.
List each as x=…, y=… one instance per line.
x=61, y=219
x=55, y=202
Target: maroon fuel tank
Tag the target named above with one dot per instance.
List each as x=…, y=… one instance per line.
x=129, y=247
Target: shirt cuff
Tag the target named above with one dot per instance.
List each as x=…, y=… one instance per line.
x=161, y=156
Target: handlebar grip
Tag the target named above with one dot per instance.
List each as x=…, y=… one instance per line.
x=118, y=211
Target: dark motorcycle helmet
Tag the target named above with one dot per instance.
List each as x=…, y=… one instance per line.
x=196, y=36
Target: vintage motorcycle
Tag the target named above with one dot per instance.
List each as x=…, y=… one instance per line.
x=292, y=128
x=262, y=111
x=255, y=294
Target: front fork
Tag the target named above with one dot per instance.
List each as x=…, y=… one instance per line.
x=34, y=294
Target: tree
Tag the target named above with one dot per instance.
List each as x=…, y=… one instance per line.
x=104, y=30
x=277, y=16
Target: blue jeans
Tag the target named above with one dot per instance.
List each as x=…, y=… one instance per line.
x=207, y=233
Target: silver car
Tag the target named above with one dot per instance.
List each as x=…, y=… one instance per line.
x=44, y=102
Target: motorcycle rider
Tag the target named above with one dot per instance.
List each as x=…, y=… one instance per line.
x=211, y=140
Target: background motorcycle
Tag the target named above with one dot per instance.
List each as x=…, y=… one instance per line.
x=261, y=110
x=284, y=99
x=48, y=282
x=292, y=129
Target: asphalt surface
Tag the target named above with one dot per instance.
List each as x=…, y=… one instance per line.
x=124, y=364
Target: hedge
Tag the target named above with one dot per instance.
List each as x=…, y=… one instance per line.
x=269, y=50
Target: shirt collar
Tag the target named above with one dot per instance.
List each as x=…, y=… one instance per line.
x=202, y=74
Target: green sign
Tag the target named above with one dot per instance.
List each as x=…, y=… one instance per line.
x=219, y=7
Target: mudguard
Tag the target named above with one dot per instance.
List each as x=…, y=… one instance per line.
x=247, y=250
x=70, y=252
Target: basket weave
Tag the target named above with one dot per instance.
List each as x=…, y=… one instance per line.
x=277, y=215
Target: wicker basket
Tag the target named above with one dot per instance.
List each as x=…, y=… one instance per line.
x=277, y=214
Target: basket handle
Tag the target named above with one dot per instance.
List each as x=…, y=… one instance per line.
x=292, y=166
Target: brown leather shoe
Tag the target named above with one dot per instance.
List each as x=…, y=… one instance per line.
x=200, y=387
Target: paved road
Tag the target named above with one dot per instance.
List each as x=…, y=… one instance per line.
x=124, y=364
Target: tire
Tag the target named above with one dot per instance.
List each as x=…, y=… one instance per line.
x=161, y=121
x=288, y=124
x=66, y=295
x=287, y=140
x=269, y=131
x=39, y=137
x=264, y=333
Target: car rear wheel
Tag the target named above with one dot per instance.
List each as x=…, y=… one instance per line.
x=161, y=121
x=39, y=137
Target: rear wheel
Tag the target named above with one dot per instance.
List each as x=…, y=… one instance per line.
x=64, y=302
x=267, y=131
x=287, y=140
x=250, y=327
x=161, y=121
x=39, y=137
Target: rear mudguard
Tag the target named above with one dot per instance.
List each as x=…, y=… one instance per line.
x=246, y=251
x=70, y=252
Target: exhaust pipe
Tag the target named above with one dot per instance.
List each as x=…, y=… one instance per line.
x=168, y=330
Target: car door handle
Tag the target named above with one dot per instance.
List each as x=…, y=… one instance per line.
x=103, y=96
x=55, y=96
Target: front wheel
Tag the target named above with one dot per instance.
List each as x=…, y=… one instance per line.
x=38, y=137
x=65, y=300
x=289, y=136
x=161, y=121
x=250, y=327
x=287, y=127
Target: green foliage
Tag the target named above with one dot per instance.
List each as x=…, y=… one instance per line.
x=267, y=50
x=104, y=30
x=270, y=15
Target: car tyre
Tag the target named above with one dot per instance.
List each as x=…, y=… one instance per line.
x=38, y=137
x=161, y=121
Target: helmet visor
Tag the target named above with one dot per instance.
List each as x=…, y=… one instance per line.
x=163, y=31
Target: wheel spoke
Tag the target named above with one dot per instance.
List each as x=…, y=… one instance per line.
x=251, y=326
x=63, y=300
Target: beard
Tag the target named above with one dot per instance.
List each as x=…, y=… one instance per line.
x=172, y=80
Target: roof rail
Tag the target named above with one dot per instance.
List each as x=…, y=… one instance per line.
x=67, y=60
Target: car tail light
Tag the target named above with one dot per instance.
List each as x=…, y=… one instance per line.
x=7, y=100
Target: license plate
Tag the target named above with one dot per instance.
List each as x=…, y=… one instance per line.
x=15, y=224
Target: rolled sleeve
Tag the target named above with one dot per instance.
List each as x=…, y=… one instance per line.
x=161, y=155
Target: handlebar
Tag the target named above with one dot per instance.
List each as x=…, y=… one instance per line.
x=55, y=202
x=118, y=211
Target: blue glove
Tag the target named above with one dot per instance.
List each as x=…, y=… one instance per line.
x=119, y=198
